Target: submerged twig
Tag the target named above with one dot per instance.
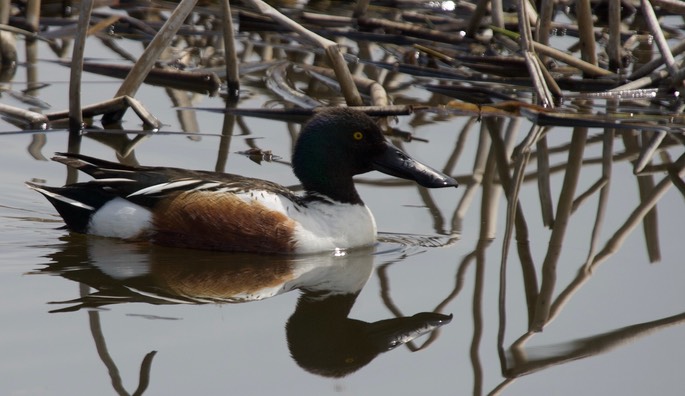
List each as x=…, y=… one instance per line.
x=564, y=205
x=544, y=185
x=617, y=239
x=648, y=151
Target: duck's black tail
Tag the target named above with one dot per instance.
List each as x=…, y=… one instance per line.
x=75, y=203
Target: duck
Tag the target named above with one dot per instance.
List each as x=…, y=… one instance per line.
x=220, y=211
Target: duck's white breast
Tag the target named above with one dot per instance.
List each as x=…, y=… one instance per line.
x=321, y=226
x=324, y=227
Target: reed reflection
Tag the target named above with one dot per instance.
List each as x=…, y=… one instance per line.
x=322, y=339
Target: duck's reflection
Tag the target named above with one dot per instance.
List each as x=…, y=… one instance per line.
x=321, y=337
x=324, y=341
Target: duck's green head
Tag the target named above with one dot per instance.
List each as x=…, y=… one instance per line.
x=338, y=143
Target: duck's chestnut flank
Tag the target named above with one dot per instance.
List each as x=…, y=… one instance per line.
x=222, y=222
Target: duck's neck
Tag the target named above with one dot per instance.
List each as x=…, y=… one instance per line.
x=342, y=191
x=320, y=176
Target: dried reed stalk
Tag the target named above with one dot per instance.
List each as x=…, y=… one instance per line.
x=535, y=67
x=658, y=34
x=114, y=105
x=586, y=31
x=34, y=119
x=33, y=14
x=331, y=49
x=614, y=49
x=153, y=51
x=75, y=114
x=230, y=53
x=477, y=17
x=379, y=96
x=589, y=69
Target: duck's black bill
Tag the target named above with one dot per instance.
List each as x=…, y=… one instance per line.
x=391, y=333
x=396, y=163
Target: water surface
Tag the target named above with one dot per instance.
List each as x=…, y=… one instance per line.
x=84, y=316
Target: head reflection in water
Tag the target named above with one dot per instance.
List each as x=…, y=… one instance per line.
x=324, y=341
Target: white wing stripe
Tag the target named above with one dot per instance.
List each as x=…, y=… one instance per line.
x=206, y=186
x=157, y=188
x=113, y=180
x=62, y=198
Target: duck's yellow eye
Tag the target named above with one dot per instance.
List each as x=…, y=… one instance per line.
x=357, y=135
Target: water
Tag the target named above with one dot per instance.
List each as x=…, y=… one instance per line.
x=84, y=315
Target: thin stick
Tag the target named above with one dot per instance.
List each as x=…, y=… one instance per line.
x=544, y=185
x=35, y=120
x=599, y=184
x=513, y=187
x=588, y=47
x=476, y=176
x=656, y=62
x=497, y=13
x=545, y=23
x=674, y=6
x=549, y=266
x=4, y=11
x=643, y=81
x=338, y=63
x=33, y=14
x=230, y=53
x=360, y=9
x=638, y=214
x=658, y=34
x=412, y=30
x=590, y=346
x=616, y=241
x=153, y=51
x=587, y=68
x=647, y=151
x=477, y=314
x=607, y=162
x=532, y=61
x=278, y=83
x=379, y=96
x=614, y=44
x=110, y=106
x=75, y=115
x=477, y=17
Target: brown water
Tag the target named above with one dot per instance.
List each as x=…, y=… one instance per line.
x=618, y=333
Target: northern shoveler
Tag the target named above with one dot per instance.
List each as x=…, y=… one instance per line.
x=209, y=210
